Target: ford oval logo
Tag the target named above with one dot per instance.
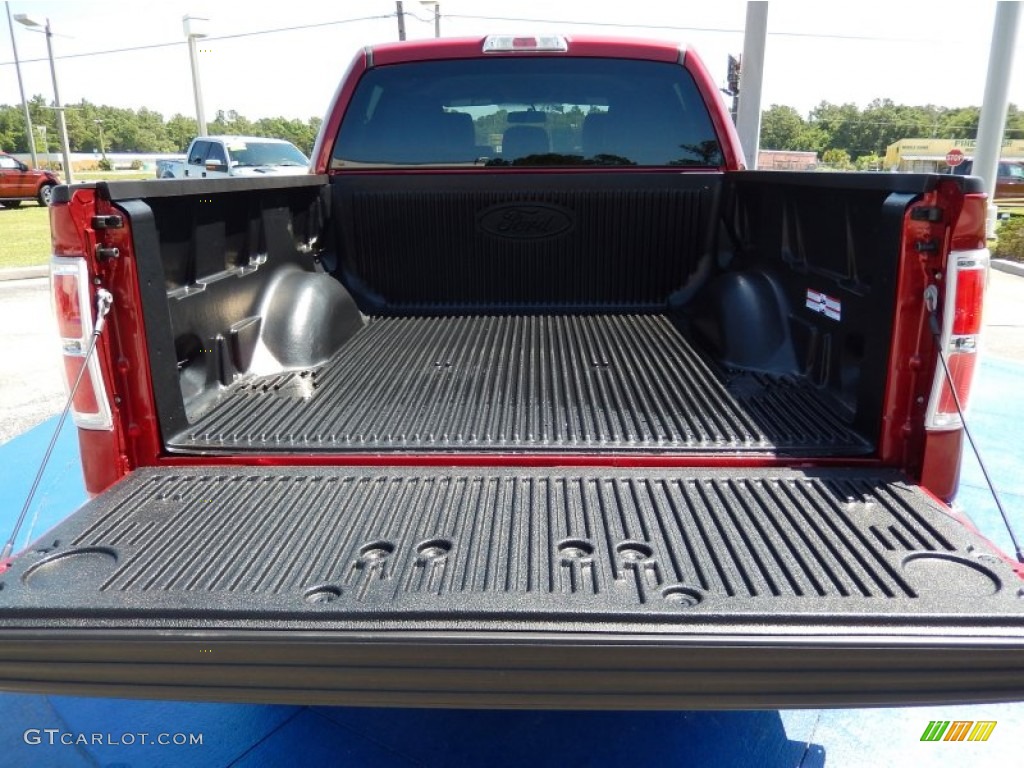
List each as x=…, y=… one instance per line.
x=525, y=221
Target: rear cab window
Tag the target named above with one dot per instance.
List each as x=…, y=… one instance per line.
x=251, y=153
x=542, y=111
x=198, y=154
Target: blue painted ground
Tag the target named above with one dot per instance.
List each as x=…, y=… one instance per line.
x=995, y=420
x=251, y=735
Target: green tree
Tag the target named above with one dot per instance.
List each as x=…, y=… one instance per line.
x=782, y=128
x=884, y=122
x=1014, y=122
x=838, y=124
x=870, y=162
x=1010, y=242
x=837, y=159
x=959, y=123
x=231, y=123
x=12, y=130
x=180, y=131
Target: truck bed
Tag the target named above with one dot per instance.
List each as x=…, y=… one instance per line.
x=505, y=383
x=369, y=313
x=507, y=587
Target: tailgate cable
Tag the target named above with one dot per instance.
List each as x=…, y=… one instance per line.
x=931, y=302
x=104, y=300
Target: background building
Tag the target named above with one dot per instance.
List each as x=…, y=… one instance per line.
x=929, y=155
x=784, y=160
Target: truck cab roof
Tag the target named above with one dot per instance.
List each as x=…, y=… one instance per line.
x=576, y=45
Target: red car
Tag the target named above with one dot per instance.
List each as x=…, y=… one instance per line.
x=18, y=183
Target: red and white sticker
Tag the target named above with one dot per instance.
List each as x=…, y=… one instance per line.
x=823, y=304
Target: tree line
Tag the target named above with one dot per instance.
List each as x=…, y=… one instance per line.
x=131, y=130
x=845, y=135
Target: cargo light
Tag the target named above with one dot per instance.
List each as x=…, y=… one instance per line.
x=966, y=276
x=524, y=43
x=69, y=286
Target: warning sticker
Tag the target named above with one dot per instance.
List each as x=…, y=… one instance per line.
x=824, y=304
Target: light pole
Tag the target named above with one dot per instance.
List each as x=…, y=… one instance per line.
x=748, y=110
x=992, y=121
x=22, y=18
x=437, y=14
x=192, y=33
x=103, y=150
x=46, y=144
x=21, y=90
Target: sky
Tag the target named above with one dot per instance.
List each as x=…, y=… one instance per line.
x=910, y=52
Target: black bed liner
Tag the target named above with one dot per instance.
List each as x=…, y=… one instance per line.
x=439, y=544
x=501, y=383
x=514, y=587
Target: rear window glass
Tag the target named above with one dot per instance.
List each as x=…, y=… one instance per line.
x=543, y=111
x=257, y=153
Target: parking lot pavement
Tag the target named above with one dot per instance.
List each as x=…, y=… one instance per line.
x=1004, y=317
x=31, y=378
x=993, y=416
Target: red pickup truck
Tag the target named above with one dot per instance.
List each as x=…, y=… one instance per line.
x=528, y=395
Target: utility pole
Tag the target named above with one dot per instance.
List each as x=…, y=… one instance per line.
x=21, y=90
x=192, y=32
x=992, y=122
x=401, y=19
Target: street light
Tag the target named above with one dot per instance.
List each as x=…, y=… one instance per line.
x=437, y=14
x=192, y=32
x=34, y=25
x=21, y=90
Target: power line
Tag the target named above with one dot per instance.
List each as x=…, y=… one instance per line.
x=255, y=33
x=719, y=30
x=99, y=53
x=302, y=26
x=299, y=27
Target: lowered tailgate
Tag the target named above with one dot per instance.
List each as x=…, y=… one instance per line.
x=582, y=587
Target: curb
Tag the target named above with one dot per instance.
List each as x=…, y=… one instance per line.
x=1010, y=267
x=24, y=273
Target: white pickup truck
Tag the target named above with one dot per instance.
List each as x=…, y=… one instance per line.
x=218, y=157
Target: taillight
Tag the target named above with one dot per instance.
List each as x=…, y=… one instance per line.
x=69, y=283
x=961, y=325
